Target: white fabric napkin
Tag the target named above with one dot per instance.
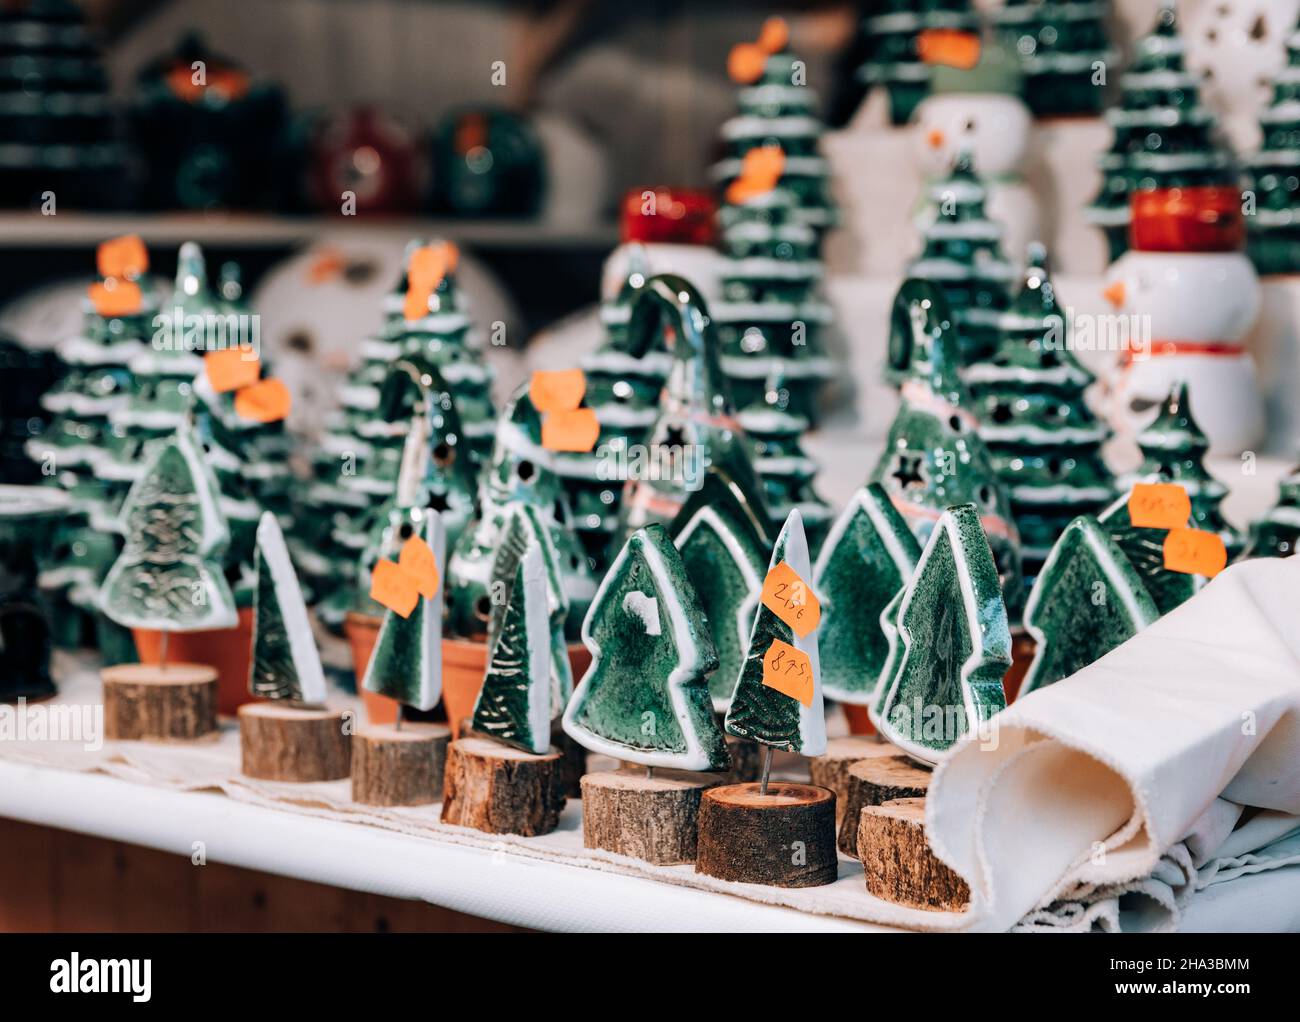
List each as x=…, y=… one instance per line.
x=1085, y=785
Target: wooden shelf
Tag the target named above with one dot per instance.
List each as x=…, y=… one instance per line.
x=24, y=229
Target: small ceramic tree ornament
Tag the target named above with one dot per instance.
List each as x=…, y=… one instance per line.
x=1144, y=549
x=696, y=425
x=763, y=714
x=524, y=530
x=893, y=655
x=956, y=642
x=866, y=560
x=403, y=764
x=1087, y=600
x=746, y=830
x=1276, y=534
x=285, y=662
x=292, y=735
x=645, y=701
x=721, y=535
x=934, y=457
x=168, y=577
x=511, y=781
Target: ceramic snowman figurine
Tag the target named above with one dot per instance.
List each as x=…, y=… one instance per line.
x=1191, y=295
x=981, y=110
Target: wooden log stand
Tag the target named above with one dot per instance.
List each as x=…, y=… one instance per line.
x=746, y=760
x=652, y=818
x=399, y=767
x=831, y=769
x=785, y=838
x=873, y=782
x=500, y=790
x=146, y=702
x=295, y=743
x=897, y=861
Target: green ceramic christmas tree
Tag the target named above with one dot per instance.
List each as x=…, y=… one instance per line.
x=956, y=643
x=169, y=576
x=1145, y=550
x=1174, y=449
x=285, y=661
x=1061, y=46
x=759, y=712
x=623, y=389
x=893, y=656
x=1276, y=534
x=525, y=529
x=518, y=472
x=645, y=697
x=1163, y=132
x=865, y=562
x=514, y=704
x=934, y=457
x=771, y=315
x=775, y=433
x=407, y=661
x=97, y=383
x=1273, y=237
x=1044, y=440
x=696, y=425
x=721, y=534
x=1088, y=599
x=893, y=57
x=962, y=253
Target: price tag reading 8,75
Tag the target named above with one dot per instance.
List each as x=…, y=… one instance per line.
x=791, y=599
x=789, y=671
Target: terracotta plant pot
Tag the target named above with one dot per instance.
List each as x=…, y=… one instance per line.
x=229, y=650
x=1022, y=655
x=463, y=665
x=362, y=631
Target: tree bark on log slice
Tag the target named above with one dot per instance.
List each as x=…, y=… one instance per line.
x=173, y=703
x=897, y=861
x=651, y=818
x=499, y=790
x=831, y=768
x=392, y=767
x=874, y=782
x=294, y=743
x=746, y=760
x=785, y=838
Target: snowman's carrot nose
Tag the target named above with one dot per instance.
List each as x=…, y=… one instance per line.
x=1115, y=294
x=934, y=138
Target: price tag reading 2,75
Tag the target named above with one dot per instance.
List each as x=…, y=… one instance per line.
x=791, y=599
x=789, y=671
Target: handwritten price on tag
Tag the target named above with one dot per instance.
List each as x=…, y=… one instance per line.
x=791, y=599
x=1159, y=506
x=789, y=671
x=1195, y=552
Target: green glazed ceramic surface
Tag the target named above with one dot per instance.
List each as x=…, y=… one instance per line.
x=285, y=661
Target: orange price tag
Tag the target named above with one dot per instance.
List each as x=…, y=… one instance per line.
x=745, y=63
x=1195, y=552
x=417, y=560
x=791, y=599
x=416, y=305
x=231, y=368
x=789, y=671
x=557, y=390
x=427, y=267
x=764, y=163
x=263, y=401
x=394, y=588
x=949, y=46
x=114, y=297
x=123, y=257
x=575, y=430
x=1159, y=506
x=774, y=35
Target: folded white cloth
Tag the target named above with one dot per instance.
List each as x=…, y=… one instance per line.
x=1085, y=786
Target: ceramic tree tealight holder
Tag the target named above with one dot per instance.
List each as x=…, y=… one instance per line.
x=168, y=577
x=402, y=764
x=506, y=777
x=290, y=734
x=778, y=833
x=645, y=701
